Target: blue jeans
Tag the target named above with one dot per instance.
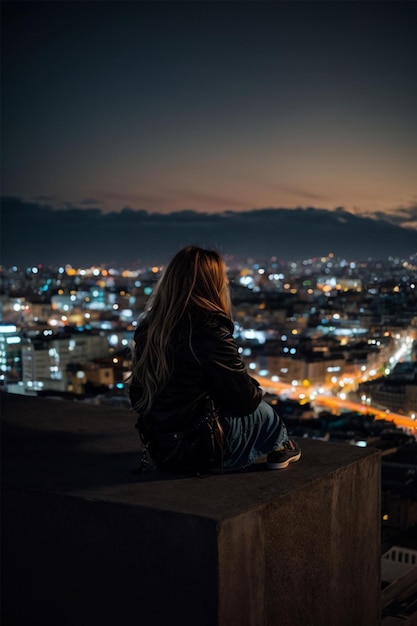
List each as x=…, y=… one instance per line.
x=252, y=436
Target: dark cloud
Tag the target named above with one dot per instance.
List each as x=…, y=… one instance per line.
x=215, y=201
x=401, y=216
x=36, y=233
x=89, y=202
x=407, y=214
x=44, y=198
x=137, y=199
x=300, y=192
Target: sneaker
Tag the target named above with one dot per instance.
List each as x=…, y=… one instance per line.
x=278, y=459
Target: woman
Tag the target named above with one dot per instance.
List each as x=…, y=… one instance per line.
x=185, y=353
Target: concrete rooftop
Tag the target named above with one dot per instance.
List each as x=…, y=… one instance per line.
x=93, y=451
x=87, y=541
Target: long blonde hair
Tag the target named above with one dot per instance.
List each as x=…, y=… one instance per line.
x=195, y=277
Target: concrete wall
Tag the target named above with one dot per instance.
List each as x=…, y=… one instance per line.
x=86, y=541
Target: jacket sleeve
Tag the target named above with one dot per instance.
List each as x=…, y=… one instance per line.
x=229, y=383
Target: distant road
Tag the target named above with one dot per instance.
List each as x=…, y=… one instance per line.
x=336, y=403
x=333, y=403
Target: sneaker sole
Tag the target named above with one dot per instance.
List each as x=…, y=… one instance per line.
x=284, y=464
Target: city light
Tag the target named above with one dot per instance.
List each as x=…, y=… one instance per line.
x=320, y=351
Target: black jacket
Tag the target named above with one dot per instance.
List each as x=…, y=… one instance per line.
x=204, y=360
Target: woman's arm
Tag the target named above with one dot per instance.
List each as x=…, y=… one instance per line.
x=229, y=383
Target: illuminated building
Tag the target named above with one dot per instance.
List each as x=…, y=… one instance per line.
x=46, y=362
x=10, y=354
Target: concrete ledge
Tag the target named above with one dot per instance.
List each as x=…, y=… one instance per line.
x=87, y=541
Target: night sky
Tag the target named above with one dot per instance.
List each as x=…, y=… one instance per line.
x=130, y=128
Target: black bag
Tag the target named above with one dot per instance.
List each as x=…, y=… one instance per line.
x=199, y=449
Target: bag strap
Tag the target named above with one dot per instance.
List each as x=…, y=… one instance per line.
x=212, y=419
x=145, y=459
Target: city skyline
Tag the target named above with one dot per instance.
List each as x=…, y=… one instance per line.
x=210, y=109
